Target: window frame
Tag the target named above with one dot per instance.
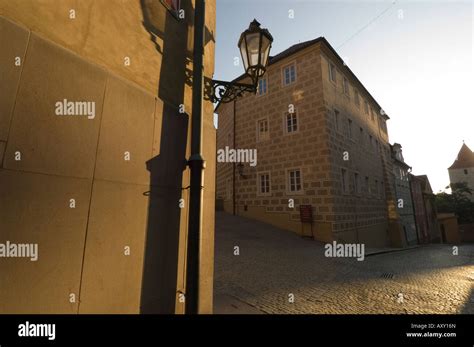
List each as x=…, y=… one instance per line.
x=357, y=184
x=350, y=124
x=259, y=186
x=361, y=136
x=283, y=75
x=265, y=78
x=356, y=98
x=332, y=72
x=228, y=189
x=288, y=181
x=337, y=123
x=259, y=138
x=285, y=122
x=346, y=86
x=345, y=181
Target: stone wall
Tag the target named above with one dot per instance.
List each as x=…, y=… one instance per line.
x=100, y=195
x=317, y=149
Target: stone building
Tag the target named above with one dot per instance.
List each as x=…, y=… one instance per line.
x=403, y=193
x=427, y=226
x=462, y=170
x=97, y=185
x=322, y=141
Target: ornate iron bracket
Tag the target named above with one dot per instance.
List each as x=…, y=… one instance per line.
x=222, y=91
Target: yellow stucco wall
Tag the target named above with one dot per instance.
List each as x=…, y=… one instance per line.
x=449, y=225
x=119, y=203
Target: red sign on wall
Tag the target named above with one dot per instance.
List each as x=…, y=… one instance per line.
x=306, y=214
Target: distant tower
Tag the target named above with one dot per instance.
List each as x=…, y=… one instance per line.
x=462, y=169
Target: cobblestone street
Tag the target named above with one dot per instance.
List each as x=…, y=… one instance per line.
x=274, y=266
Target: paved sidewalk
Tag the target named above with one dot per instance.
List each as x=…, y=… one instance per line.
x=277, y=271
x=226, y=304
x=376, y=251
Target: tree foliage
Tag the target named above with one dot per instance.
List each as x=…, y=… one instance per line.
x=458, y=202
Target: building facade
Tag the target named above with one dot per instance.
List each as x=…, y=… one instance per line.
x=322, y=141
x=404, y=194
x=462, y=170
x=427, y=224
x=92, y=146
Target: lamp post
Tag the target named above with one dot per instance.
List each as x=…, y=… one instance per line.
x=254, y=45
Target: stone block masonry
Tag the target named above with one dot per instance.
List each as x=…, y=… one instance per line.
x=321, y=140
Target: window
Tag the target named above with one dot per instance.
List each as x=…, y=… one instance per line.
x=371, y=142
x=356, y=98
x=262, y=86
x=384, y=126
x=349, y=128
x=377, y=146
x=262, y=130
x=264, y=183
x=366, y=107
x=228, y=189
x=465, y=171
x=361, y=136
x=345, y=85
x=403, y=175
x=332, y=72
x=294, y=182
x=289, y=74
x=344, y=181
x=291, y=122
x=336, y=120
x=356, y=183
x=367, y=185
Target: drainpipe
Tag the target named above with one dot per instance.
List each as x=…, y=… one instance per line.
x=413, y=207
x=196, y=164
x=233, y=166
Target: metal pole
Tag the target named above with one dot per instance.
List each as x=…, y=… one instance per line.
x=233, y=165
x=196, y=164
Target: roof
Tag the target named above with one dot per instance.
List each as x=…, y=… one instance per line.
x=293, y=49
x=300, y=46
x=426, y=186
x=395, y=159
x=464, y=159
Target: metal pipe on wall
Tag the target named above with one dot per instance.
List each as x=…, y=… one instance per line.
x=196, y=164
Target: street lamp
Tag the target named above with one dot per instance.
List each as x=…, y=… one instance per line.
x=254, y=45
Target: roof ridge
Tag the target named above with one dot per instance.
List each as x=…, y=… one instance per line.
x=464, y=159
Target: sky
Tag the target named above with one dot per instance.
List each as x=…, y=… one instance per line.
x=414, y=57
